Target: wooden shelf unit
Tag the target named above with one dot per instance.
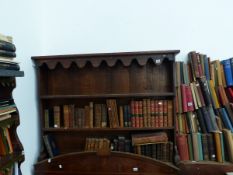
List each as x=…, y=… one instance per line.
x=7, y=85
x=80, y=79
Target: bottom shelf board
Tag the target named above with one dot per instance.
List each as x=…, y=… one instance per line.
x=205, y=167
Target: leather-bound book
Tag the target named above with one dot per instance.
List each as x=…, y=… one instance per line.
x=182, y=145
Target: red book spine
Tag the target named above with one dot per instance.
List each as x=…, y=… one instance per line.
x=230, y=94
x=189, y=97
x=184, y=98
x=182, y=146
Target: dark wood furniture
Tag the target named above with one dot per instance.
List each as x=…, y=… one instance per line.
x=80, y=79
x=204, y=167
x=7, y=85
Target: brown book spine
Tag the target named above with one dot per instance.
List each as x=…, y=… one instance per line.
x=104, y=117
x=170, y=113
x=57, y=116
x=156, y=113
x=71, y=115
x=147, y=138
x=121, y=114
x=132, y=110
x=136, y=109
x=112, y=113
x=165, y=113
x=87, y=116
x=66, y=116
x=229, y=143
x=218, y=147
x=161, y=117
x=97, y=114
x=91, y=115
x=152, y=109
x=140, y=114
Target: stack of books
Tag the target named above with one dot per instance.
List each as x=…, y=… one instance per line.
x=204, y=111
x=7, y=53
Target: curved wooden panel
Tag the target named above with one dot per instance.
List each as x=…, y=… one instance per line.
x=126, y=59
x=115, y=163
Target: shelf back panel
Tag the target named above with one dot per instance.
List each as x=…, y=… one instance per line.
x=118, y=79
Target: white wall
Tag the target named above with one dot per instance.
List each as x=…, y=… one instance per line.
x=68, y=27
x=20, y=19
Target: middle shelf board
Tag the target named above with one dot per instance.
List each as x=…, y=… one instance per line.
x=133, y=95
x=104, y=129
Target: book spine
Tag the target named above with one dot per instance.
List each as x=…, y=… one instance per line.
x=7, y=46
x=184, y=98
x=6, y=53
x=205, y=90
x=182, y=146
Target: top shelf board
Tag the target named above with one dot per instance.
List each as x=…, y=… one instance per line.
x=111, y=59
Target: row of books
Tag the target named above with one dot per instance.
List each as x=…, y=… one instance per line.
x=221, y=72
x=119, y=143
x=216, y=146
x=7, y=107
x=138, y=113
x=201, y=121
x=7, y=53
x=6, y=146
x=159, y=151
x=96, y=144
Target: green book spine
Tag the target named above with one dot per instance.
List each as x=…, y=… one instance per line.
x=190, y=146
x=200, y=146
x=223, y=149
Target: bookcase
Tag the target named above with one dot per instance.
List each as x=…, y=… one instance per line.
x=11, y=149
x=96, y=109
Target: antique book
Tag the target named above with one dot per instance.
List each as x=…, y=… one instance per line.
x=145, y=138
x=50, y=145
x=228, y=71
x=112, y=113
x=182, y=146
x=229, y=143
x=57, y=116
x=6, y=38
x=225, y=118
x=218, y=146
x=6, y=53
